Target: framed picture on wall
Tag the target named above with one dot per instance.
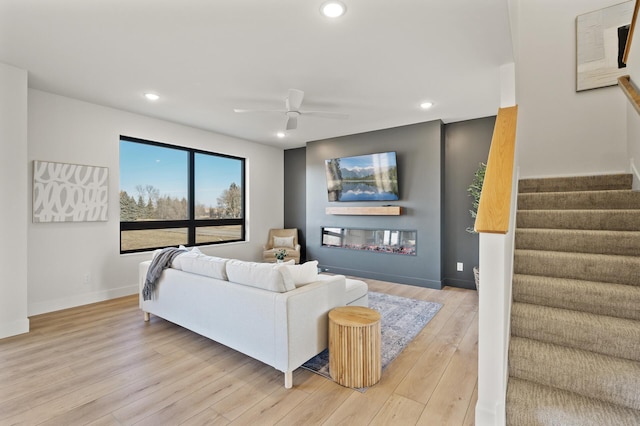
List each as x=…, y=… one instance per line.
x=601, y=37
x=69, y=192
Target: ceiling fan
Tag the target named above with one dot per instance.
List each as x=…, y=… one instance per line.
x=292, y=104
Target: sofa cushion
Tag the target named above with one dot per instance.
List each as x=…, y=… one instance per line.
x=305, y=273
x=267, y=276
x=209, y=266
x=354, y=289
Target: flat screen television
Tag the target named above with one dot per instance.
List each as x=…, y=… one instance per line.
x=371, y=177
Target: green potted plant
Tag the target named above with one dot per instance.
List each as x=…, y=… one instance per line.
x=280, y=255
x=474, y=190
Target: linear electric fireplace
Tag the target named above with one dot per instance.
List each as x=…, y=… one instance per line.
x=393, y=241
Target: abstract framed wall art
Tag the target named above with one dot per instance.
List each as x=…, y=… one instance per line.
x=69, y=192
x=601, y=37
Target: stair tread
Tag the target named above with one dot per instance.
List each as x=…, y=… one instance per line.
x=586, y=266
x=602, y=334
x=530, y=403
x=610, y=379
x=617, y=220
x=580, y=200
x=618, y=300
x=576, y=183
x=625, y=243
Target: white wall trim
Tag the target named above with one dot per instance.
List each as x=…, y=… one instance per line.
x=80, y=299
x=494, y=318
x=13, y=328
x=636, y=175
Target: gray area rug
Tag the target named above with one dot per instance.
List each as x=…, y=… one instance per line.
x=401, y=321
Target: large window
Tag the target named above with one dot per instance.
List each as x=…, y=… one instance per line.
x=171, y=195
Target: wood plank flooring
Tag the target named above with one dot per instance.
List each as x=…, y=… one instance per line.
x=101, y=364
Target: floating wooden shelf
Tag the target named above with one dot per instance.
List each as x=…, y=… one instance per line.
x=368, y=211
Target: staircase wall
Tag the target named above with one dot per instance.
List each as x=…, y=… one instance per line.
x=562, y=132
x=633, y=118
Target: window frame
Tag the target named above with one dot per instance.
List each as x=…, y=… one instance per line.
x=191, y=223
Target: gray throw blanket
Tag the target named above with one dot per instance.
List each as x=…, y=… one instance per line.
x=158, y=264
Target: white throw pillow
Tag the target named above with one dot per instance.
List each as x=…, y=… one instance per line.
x=283, y=242
x=209, y=266
x=267, y=276
x=305, y=273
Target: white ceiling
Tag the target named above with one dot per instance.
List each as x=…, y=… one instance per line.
x=205, y=57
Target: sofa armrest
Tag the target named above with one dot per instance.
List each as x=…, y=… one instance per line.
x=302, y=320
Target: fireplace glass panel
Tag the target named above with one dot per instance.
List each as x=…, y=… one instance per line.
x=391, y=241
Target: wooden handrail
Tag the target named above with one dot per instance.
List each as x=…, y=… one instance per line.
x=495, y=200
x=632, y=27
x=630, y=90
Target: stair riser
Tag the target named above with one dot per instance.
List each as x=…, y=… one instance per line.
x=579, y=200
x=617, y=300
x=606, y=220
x=588, y=267
x=596, y=333
x=581, y=183
x=525, y=400
x=597, y=242
x=593, y=375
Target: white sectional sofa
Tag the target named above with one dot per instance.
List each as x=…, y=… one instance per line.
x=276, y=314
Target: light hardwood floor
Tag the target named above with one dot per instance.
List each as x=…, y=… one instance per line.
x=102, y=364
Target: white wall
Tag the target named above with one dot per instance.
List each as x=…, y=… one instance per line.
x=633, y=118
x=61, y=254
x=13, y=193
x=561, y=132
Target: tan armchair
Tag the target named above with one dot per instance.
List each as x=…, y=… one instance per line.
x=287, y=239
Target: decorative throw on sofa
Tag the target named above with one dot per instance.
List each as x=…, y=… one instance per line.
x=158, y=264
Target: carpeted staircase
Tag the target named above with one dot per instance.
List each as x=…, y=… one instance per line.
x=574, y=355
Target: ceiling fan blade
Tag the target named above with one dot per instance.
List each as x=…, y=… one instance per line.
x=292, y=123
x=240, y=110
x=326, y=114
x=294, y=99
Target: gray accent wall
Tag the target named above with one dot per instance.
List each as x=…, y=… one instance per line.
x=436, y=164
x=295, y=183
x=420, y=150
x=466, y=145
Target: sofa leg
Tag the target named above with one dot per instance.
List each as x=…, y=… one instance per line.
x=146, y=316
x=288, y=379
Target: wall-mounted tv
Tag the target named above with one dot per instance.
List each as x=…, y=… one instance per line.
x=371, y=177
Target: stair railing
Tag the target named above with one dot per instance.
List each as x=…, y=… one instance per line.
x=630, y=90
x=495, y=222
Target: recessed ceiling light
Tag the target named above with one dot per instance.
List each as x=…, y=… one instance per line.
x=280, y=135
x=151, y=96
x=426, y=105
x=333, y=9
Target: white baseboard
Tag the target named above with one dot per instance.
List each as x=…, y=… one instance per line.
x=636, y=176
x=490, y=415
x=14, y=328
x=80, y=299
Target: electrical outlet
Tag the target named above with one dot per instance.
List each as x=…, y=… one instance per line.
x=460, y=267
x=86, y=279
